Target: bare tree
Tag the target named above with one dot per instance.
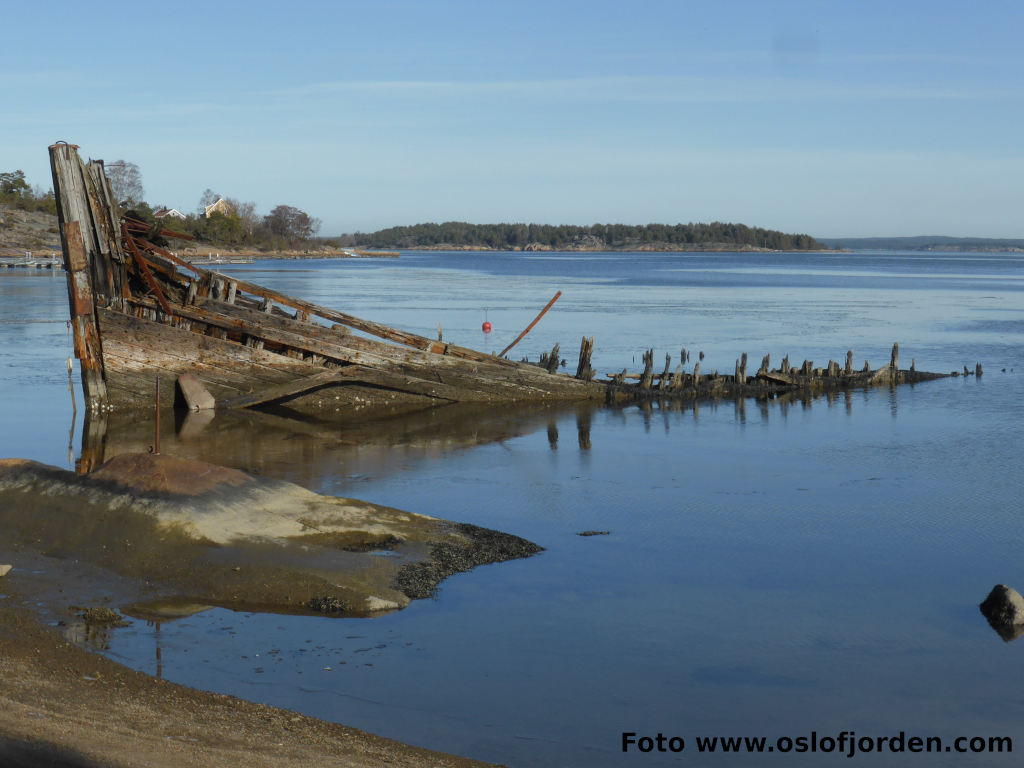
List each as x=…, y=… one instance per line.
x=125, y=182
x=209, y=197
x=246, y=212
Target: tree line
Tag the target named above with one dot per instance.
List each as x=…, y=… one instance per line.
x=15, y=192
x=231, y=222
x=235, y=222
x=569, y=237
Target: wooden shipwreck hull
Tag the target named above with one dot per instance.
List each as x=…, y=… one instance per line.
x=139, y=313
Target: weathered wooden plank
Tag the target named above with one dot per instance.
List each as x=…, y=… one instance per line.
x=403, y=382
x=291, y=388
x=354, y=374
x=197, y=397
x=456, y=384
x=375, y=329
x=166, y=340
x=316, y=339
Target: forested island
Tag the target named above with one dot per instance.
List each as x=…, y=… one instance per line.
x=716, y=236
x=228, y=223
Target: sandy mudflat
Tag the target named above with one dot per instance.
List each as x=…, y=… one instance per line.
x=63, y=706
x=129, y=536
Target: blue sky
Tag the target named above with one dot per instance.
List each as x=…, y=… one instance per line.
x=832, y=118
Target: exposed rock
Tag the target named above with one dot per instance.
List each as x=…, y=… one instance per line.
x=99, y=616
x=325, y=605
x=466, y=546
x=1004, y=609
x=4, y=570
x=209, y=535
x=375, y=605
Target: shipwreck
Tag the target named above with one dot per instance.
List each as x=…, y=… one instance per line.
x=139, y=313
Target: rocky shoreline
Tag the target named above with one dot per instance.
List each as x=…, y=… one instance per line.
x=155, y=536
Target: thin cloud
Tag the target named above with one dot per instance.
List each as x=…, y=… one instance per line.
x=654, y=89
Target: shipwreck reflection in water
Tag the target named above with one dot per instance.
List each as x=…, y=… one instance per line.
x=306, y=452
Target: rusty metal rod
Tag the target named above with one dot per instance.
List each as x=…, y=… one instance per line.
x=144, y=269
x=140, y=226
x=530, y=326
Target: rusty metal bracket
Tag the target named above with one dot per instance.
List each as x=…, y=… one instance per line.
x=144, y=268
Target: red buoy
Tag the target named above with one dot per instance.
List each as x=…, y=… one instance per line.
x=487, y=327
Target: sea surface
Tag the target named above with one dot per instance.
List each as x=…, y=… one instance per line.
x=769, y=569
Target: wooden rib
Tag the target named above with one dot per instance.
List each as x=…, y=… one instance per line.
x=367, y=326
x=480, y=382
x=144, y=268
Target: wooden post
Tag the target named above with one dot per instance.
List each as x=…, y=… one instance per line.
x=647, y=376
x=583, y=369
x=664, y=376
x=79, y=243
x=765, y=363
x=677, y=378
x=554, y=358
x=894, y=361
x=977, y=369
x=156, y=438
x=849, y=363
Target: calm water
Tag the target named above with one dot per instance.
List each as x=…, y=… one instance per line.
x=770, y=571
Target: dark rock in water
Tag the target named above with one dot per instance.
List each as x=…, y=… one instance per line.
x=1004, y=609
x=593, y=533
x=467, y=547
x=326, y=605
x=103, y=617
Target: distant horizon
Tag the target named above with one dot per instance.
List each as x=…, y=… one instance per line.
x=325, y=236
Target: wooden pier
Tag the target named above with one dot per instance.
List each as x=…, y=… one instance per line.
x=30, y=260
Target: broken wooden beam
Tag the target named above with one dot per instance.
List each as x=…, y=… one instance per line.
x=583, y=370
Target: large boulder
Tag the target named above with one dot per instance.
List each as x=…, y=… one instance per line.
x=1004, y=609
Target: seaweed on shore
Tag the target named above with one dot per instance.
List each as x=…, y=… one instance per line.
x=481, y=546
